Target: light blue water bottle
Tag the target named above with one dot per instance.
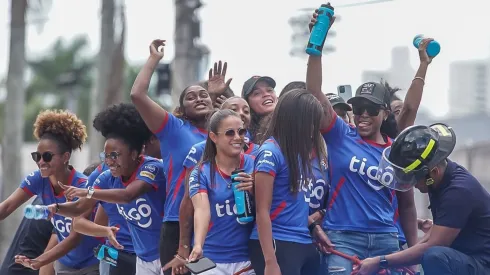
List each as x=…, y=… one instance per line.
x=243, y=201
x=433, y=48
x=36, y=212
x=320, y=29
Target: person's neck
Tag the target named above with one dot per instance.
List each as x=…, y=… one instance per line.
x=62, y=176
x=226, y=163
x=439, y=177
x=130, y=171
x=201, y=124
x=377, y=138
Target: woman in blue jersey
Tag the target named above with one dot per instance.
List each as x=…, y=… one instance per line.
x=240, y=106
x=134, y=185
x=59, y=133
x=218, y=234
x=177, y=133
x=359, y=218
x=281, y=193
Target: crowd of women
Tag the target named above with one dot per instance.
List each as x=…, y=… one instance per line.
x=162, y=193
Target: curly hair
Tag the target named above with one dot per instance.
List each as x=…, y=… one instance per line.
x=122, y=121
x=391, y=90
x=61, y=126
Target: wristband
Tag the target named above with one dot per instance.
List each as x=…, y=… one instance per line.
x=312, y=226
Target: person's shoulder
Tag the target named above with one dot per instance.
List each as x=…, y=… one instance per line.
x=148, y=161
x=460, y=177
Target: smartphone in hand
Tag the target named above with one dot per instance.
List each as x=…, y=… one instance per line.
x=200, y=265
x=345, y=92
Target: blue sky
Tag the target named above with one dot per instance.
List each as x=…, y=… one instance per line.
x=255, y=38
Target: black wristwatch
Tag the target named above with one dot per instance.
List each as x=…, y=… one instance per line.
x=312, y=226
x=383, y=262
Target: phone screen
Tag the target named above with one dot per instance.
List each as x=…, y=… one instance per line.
x=201, y=265
x=345, y=92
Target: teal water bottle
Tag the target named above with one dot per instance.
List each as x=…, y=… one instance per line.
x=36, y=212
x=243, y=200
x=433, y=48
x=106, y=254
x=320, y=30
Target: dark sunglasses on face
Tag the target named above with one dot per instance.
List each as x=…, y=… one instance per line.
x=371, y=109
x=231, y=132
x=46, y=156
x=110, y=156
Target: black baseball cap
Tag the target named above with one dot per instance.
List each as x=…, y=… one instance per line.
x=336, y=100
x=249, y=85
x=372, y=91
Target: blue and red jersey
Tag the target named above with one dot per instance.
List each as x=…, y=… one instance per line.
x=83, y=254
x=176, y=138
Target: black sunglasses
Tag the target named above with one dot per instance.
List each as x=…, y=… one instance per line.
x=46, y=156
x=371, y=109
x=231, y=133
x=112, y=156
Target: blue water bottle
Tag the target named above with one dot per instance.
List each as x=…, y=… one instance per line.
x=36, y=212
x=243, y=200
x=433, y=48
x=106, y=254
x=320, y=30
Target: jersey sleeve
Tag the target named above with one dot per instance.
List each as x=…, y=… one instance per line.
x=269, y=159
x=193, y=156
x=198, y=182
x=454, y=212
x=152, y=173
x=102, y=181
x=32, y=184
x=337, y=131
x=170, y=125
x=94, y=175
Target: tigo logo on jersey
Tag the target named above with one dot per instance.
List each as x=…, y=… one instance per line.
x=317, y=192
x=62, y=225
x=139, y=214
x=359, y=166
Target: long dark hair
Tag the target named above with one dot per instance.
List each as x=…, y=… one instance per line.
x=295, y=125
x=210, y=150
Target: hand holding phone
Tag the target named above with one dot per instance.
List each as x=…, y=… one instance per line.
x=345, y=92
x=200, y=265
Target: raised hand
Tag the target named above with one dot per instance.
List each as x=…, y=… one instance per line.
x=156, y=48
x=313, y=20
x=216, y=81
x=424, y=57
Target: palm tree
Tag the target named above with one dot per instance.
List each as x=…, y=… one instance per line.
x=14, y=110
x=63, y=74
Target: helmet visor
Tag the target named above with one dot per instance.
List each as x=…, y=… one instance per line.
x=394, y=176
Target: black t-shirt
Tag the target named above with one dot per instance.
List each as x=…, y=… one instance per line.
x=30, y=240
x=462, y=202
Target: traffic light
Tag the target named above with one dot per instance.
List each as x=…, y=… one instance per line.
x=164, y=79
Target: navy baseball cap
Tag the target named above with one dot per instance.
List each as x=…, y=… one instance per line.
x=249, y=85
x=336, y=100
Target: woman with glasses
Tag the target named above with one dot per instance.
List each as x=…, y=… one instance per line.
x=359, y=217
x=218, y=234
x=135, y=183
x=59, y=133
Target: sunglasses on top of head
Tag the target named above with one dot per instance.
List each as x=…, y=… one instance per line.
x=46, y=156
x=371, y=109
x=231, y=133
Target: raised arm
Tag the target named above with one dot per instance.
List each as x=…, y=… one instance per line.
x=314, y=82
x=152, y=113
x=414, y=94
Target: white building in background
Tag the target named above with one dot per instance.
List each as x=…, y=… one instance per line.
x=400, y=73
x=469, y=90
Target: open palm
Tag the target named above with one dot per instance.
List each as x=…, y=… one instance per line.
x=216, y=81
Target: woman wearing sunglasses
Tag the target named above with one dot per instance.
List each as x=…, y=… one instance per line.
x=218, y=234
x=134, y=182
x=359, y=219
x=59, y=133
